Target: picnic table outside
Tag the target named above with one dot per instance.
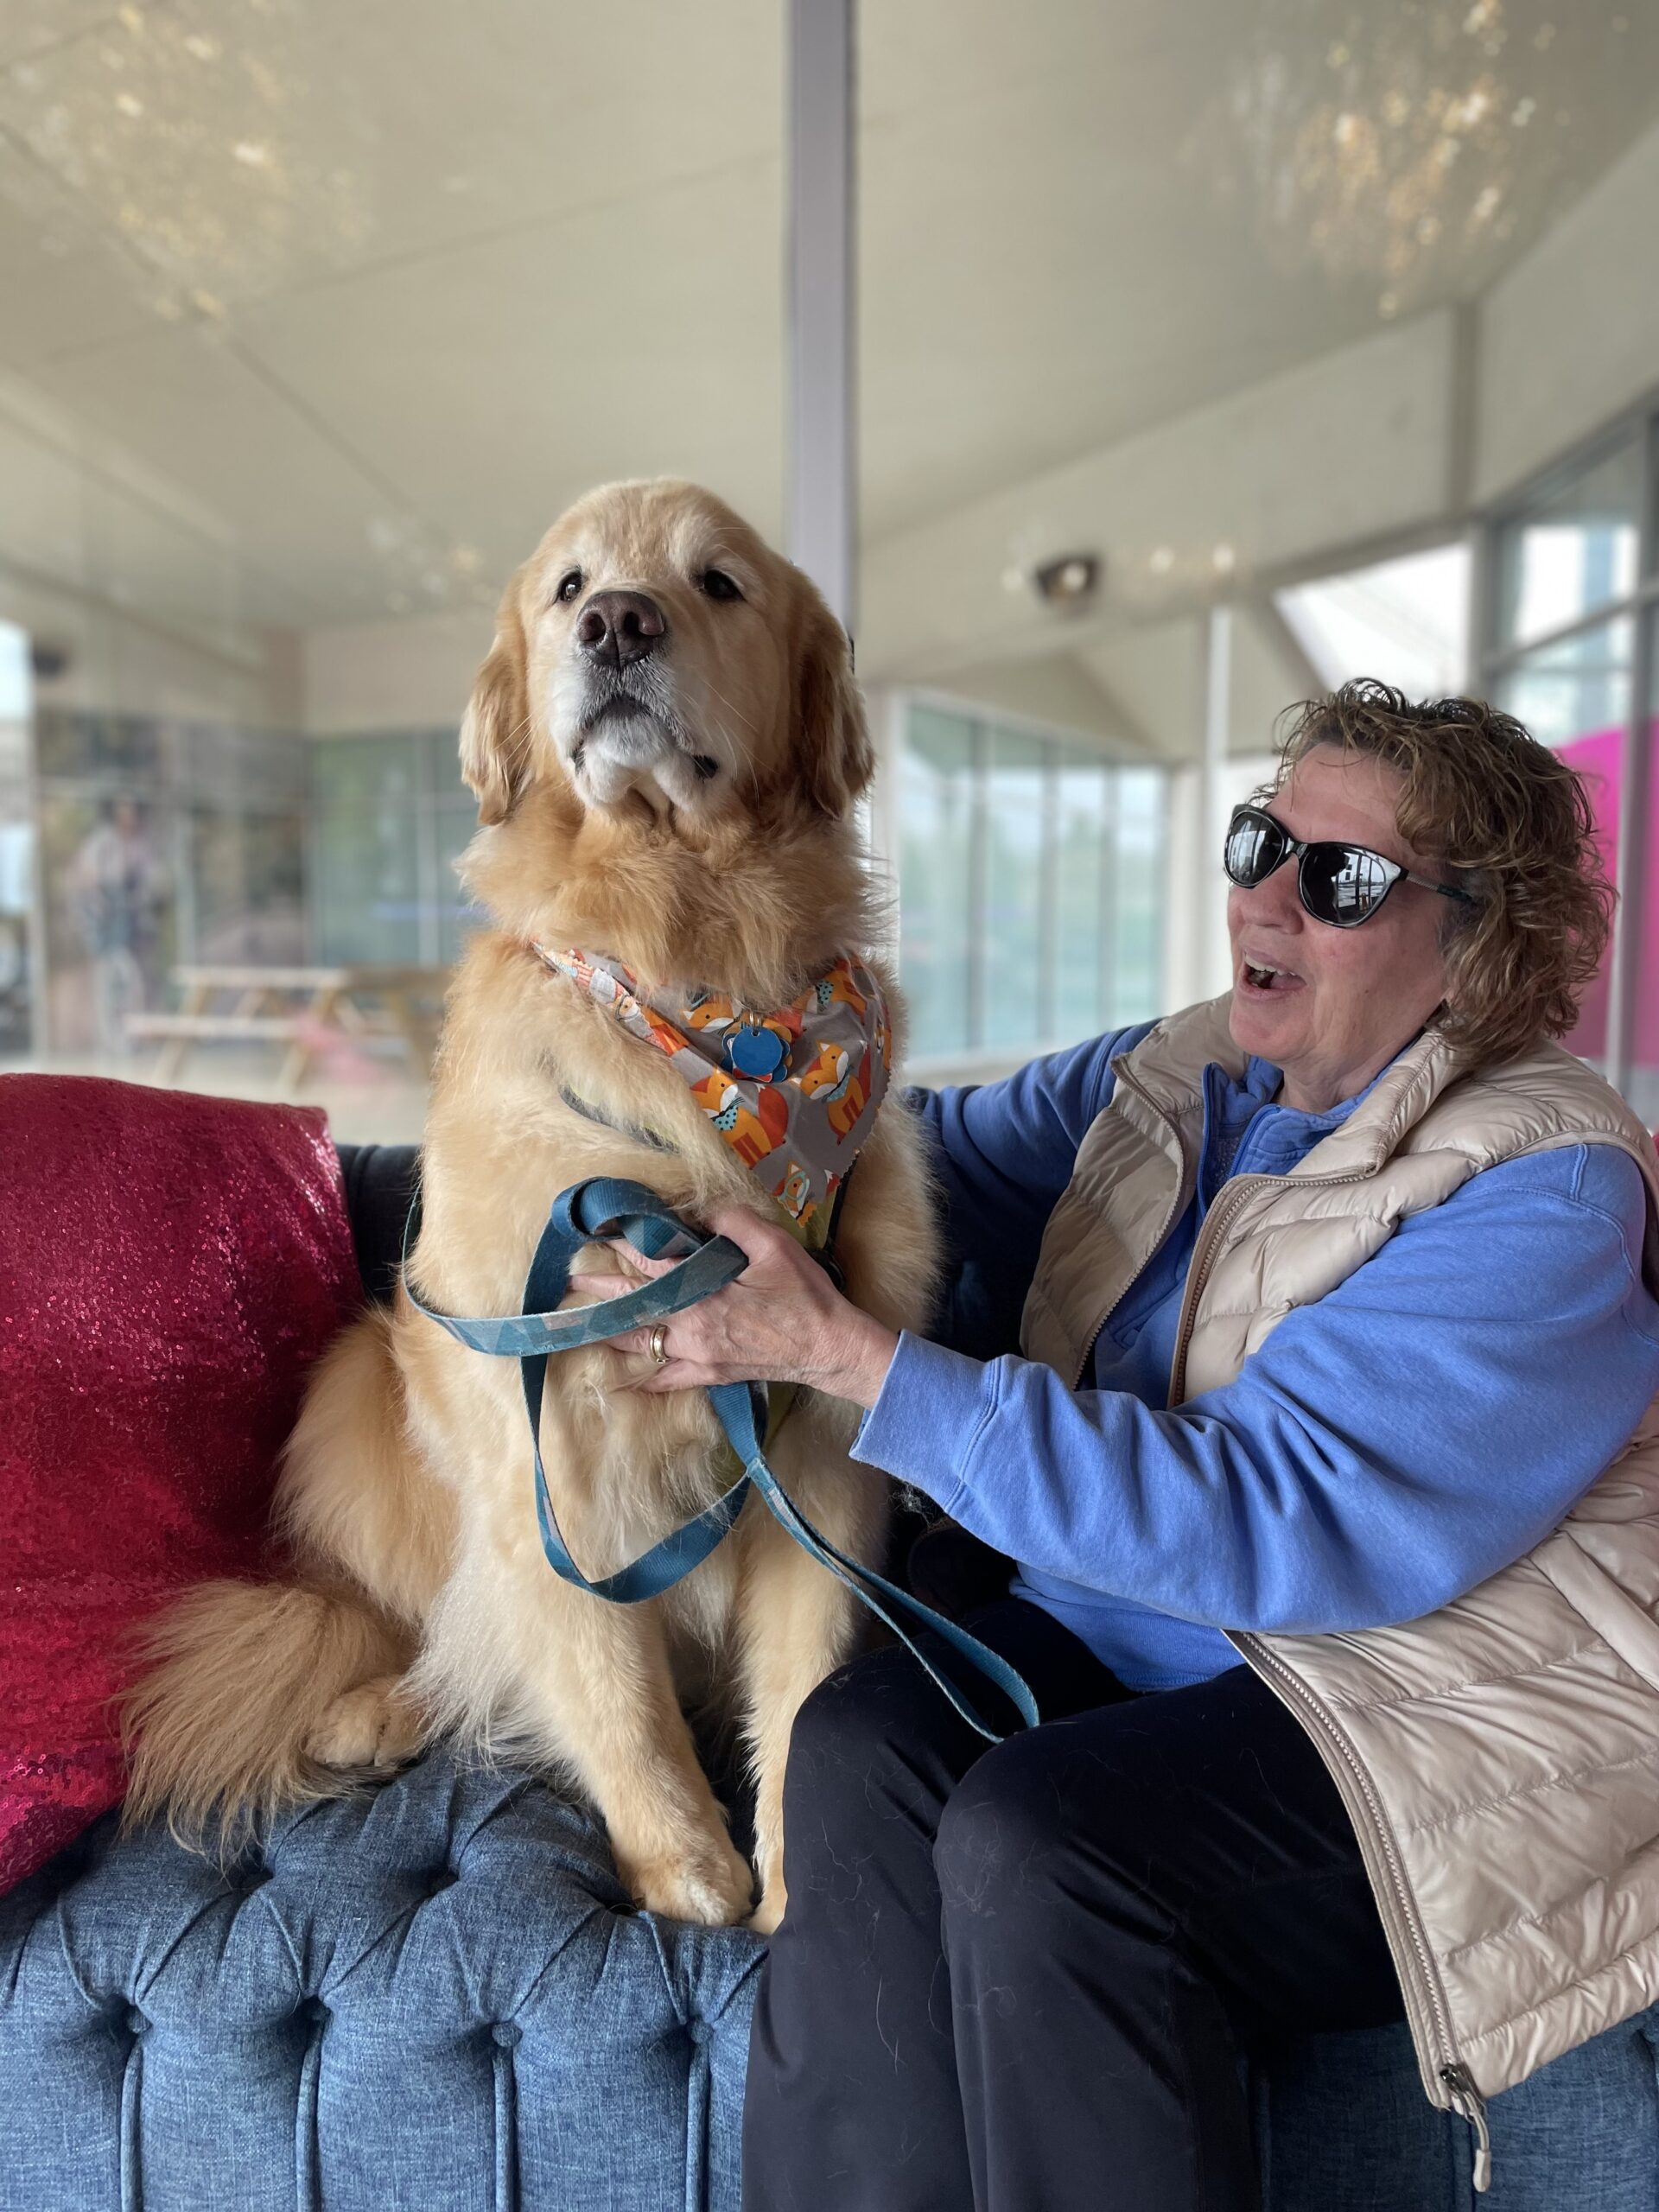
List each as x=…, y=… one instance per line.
x=304, y=1008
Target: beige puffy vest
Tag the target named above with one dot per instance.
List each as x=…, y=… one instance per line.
x=1500, y=1758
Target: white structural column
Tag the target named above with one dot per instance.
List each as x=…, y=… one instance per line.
x=1212, y=801
x=1635, y=891
x=822, y=401
x=1636, y=795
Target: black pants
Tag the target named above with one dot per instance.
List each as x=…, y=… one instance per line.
x=1023, y=1976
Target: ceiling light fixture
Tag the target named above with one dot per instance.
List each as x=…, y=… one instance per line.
x=1067, y=581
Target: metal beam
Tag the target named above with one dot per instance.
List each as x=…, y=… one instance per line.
x=1264, y=611
x=1464, y=426
x=1645, y=594
x=822, y=466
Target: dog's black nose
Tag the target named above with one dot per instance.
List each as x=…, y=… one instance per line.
x=620, y=626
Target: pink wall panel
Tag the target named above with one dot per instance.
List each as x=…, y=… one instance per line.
x=1599, y=758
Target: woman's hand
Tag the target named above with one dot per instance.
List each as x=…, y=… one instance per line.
x=782, y=1320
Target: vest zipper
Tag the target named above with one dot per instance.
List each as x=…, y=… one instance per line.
x=1446, y=2078
x=1234, y=1193
x=1184, y=1190
x=1198, y=1266
x=1471, y=2105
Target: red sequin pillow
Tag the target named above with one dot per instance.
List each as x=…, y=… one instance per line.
x=169, y=1268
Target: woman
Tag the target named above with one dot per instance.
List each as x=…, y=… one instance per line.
x=1334, y=1309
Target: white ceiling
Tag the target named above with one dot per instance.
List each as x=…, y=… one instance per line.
x=381, y=287
x=1084, y=219
x=366, y=290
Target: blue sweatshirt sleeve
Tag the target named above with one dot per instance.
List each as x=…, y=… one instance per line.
x=1387, y=1448
x=1002, y=1154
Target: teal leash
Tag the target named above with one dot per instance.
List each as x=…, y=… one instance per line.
x=608, y=1206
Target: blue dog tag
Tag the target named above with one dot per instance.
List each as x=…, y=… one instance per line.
x=757, y=1053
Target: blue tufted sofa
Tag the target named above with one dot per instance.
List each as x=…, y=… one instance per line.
x=437, y=1997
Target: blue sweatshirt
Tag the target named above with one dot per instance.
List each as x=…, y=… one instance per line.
x=1389, y=1447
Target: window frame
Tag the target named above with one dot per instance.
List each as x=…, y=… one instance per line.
x=1495, y=659
x=982, y=721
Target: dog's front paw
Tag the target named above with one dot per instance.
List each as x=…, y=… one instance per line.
x=372, y=1725
x=766, y=1915
x=769, y=1867
x=712, y=1884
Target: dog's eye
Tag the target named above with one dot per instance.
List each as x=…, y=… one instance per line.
x=568, y=587
x=718, y=585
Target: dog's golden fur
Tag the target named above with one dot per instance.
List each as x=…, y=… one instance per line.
x=706, y=837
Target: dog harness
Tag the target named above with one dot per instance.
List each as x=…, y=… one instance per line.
x=793, y=1090
x=608, y=1206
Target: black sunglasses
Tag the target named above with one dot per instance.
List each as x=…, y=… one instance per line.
x=1343, y=885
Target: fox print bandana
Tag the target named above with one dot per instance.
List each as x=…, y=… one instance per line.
x=793, y=1091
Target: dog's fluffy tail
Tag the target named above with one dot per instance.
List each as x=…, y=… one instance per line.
x=238, y=1676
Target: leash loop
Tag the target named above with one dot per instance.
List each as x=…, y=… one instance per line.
x=606, y=1207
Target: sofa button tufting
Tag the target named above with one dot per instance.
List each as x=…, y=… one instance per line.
x=699, y=2030
x=445, y=1878
x=137, y=2022
x=508, y=2034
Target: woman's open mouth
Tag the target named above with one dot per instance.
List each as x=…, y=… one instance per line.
x=1258, y=980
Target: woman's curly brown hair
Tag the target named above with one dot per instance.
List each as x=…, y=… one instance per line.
x=1513, y=825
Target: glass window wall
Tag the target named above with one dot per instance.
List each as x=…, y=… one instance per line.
x=1576, y=696
x=161, y=844
x=1569, y=651
x=937, y=869
x=1030, y=876
x=1018, y=881
x=392, y=817
x=1132, y=972
x=1571, y=549
x=1084, y=893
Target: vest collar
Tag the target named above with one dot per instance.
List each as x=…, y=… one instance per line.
x=1395, y=1101
x=1385, y=1113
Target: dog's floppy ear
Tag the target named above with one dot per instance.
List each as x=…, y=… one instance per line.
x=495, y=729
x=835, y=758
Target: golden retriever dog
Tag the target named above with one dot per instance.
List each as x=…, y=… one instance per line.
x=666, y=746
